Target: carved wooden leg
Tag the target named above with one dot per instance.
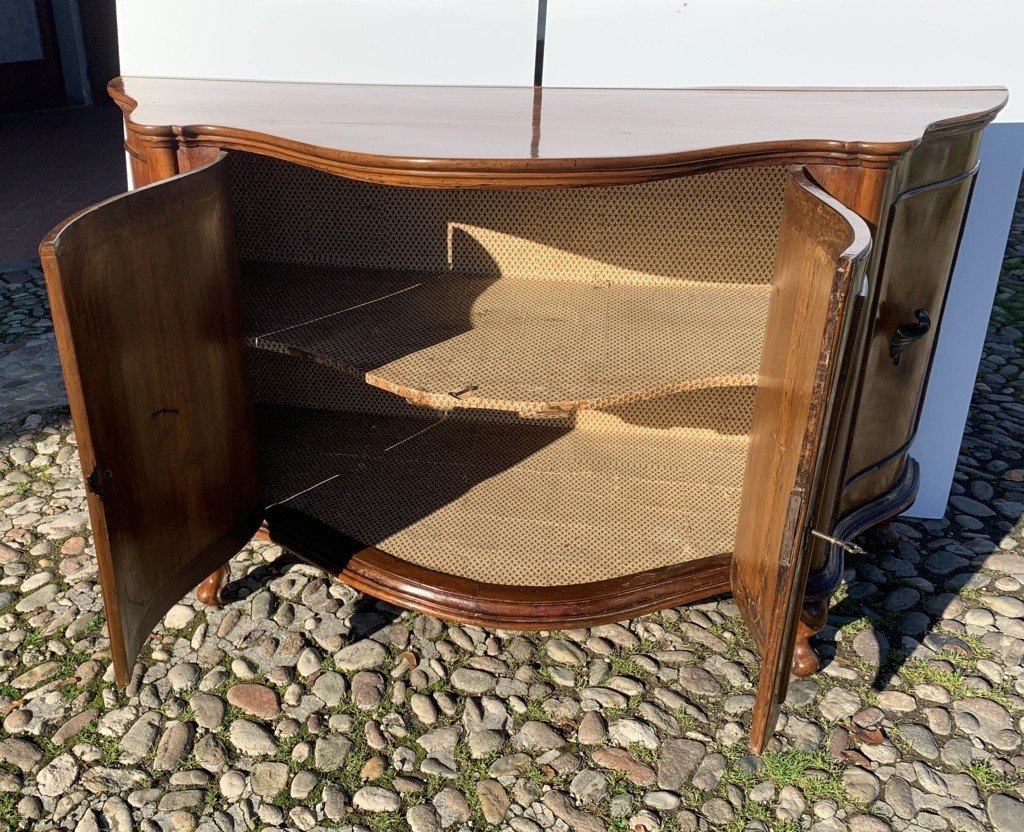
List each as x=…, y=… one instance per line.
x=211, y=591
x=812, y=619
x=881, y=538
x=822, y=582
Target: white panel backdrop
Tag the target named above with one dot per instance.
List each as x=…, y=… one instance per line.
x=356, y=41
x=684, y=43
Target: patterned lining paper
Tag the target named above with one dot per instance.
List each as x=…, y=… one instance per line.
x=638, y=310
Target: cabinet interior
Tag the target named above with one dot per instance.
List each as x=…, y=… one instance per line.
x=521, y=387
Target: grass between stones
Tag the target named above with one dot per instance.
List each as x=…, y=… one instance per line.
x=818, y=777
x=989, y=778
x=751, y=812
x=109, y=747
x=9, y=816
x=812, y=772
x=624, y=665
x=955, y=681
x=948, y=669
x=956, y=677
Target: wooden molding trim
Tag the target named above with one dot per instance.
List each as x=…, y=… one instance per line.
x=467, y=601
x=530, y=171
x=824, y=581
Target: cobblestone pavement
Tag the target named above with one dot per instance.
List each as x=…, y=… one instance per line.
x=302, y=705
x=30, y=379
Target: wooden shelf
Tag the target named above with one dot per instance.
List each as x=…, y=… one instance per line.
x=548, y=503
x=529, y=346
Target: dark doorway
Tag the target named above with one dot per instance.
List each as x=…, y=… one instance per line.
x=30, y=69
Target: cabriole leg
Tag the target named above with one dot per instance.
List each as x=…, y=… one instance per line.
x=822, y=583
x=812, y=619
x=211, y=591
x=881, y=538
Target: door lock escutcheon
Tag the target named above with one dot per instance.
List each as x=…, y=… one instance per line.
x=908, y=333
x=94, y=482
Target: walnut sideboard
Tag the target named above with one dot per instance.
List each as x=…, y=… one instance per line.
x=527, y=358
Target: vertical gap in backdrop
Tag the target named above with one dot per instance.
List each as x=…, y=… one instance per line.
x=538, y=61
x=538, y=77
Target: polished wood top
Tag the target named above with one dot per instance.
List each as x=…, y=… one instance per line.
x=502, y=135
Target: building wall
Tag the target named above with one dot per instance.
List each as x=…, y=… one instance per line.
x=99, y=32
x=21, y=40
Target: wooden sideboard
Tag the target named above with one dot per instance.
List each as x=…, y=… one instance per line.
x=527, y=358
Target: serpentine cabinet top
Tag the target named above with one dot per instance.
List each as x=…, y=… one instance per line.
x=532, y=136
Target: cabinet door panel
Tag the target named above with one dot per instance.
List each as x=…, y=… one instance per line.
x=143, y=289
x=923, y=235
x=822, y=254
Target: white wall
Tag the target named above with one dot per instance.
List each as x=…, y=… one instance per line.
x=356, y=41
x=681, y=43
x=668, y=43
x=968, y=308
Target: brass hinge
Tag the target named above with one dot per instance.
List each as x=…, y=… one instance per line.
x=94, y=482
x=790, y=535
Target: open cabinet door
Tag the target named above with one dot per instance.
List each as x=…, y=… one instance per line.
x=822, y=253
x=144, y=295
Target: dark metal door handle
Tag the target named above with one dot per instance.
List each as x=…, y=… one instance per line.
x=908, y=334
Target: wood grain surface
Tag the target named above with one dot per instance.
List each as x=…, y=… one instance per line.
x=143, y=289
x=823, y=248
x=519, y=137
x=484, y=604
